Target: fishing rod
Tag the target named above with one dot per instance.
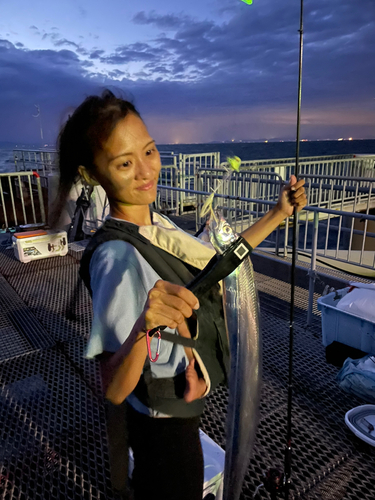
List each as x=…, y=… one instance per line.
x=274, y=481
x=288, y=446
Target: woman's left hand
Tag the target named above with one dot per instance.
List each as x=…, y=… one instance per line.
x=292, y=195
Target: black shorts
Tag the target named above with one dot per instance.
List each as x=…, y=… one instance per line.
x=168, y=457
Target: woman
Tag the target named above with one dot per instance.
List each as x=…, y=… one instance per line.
x=106, y=142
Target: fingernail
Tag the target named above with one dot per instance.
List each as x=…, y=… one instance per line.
x=292, y=188
x=196, y=306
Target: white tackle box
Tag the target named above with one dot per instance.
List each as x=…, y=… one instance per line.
x=41, y=244
x=344, y=327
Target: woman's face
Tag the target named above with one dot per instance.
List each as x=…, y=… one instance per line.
x=128, y=165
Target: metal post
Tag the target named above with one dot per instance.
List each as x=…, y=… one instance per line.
x=40, y=194
x=312, y=271
x=32, y=199
x=20, y=186
x=12, y=200
x=181, y=175
x=3, y=204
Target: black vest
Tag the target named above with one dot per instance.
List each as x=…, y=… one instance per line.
x=166, y=395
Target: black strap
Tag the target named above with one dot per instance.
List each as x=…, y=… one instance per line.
x=177, y=339
x=219, y=267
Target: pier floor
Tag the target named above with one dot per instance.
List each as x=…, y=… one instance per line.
x=53, y=438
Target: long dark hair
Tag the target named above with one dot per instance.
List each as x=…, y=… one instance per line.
x=82, y=137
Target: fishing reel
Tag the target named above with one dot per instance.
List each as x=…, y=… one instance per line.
x=274, y=482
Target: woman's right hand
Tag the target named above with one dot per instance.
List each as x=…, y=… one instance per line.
x=168, y=305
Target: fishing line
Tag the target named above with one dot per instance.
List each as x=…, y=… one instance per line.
x=288, y=446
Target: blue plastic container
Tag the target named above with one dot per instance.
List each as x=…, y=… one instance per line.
x=345, y=327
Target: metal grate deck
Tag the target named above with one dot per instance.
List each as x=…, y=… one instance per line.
x=53, y=439
x=53, y=434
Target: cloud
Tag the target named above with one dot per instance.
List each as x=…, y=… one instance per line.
x=116, y=73
x=212, y=79
x=82, y=51
x=48, y=77
x=168, y=22
x=64, y=41
x=261, y=45
x=52, y=36
x=136, y=52
x=96, y=54
x=82, y=11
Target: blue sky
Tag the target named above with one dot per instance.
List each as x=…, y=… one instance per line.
x=198, y=72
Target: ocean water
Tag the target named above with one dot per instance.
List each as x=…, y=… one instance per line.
x=6, y=154
x=262, y=150
x=6, y=160
x=245, y=150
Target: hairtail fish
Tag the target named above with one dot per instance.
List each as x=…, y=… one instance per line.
x=241, y=310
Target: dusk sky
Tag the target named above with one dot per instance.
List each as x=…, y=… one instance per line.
x=198, y=71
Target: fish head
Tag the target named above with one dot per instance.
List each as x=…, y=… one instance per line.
x=221, y=233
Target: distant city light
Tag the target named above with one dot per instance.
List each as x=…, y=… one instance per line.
x=341, y=139
x=350, y=139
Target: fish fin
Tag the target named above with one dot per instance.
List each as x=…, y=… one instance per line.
x=207, y=207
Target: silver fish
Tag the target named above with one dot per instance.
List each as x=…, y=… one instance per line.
x=241, y=309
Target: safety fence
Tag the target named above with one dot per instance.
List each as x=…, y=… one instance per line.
x=338, y=181
x=325, y=175
x=282, y=161
x=41, y=161
x=352, y=194
x=335, y=165
x=21, y=199
x=335, y=237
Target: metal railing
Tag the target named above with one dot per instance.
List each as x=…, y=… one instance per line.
x=325, y=166
x=43, y=162
x=352, y=194
x=190, y=168
x=327, y=177
x=178, y=170
x=347, y=250
x=341, y=237
x=188, y=165
x=282, y=161
x=21, y=199
x=245, y=185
